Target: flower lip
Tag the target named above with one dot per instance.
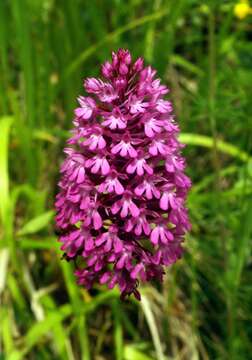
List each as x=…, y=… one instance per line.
x=124, y=147
x=116, y=120
x=139, y=165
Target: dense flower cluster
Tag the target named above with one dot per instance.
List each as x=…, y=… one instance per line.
x=121, y=205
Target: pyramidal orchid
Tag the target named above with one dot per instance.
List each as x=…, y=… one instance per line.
x=121, y=206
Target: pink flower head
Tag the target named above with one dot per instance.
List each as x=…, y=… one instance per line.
x=121, y=205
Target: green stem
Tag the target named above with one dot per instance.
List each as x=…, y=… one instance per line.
x=118, y=331
x=212, y=90
x=230, y=304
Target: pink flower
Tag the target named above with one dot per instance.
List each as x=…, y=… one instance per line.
x=161, y=234
x=139, y=224
x=147, y=188
x=110, y=240
x=107, y=70
x=152, y=127
x=111, y=184
x=168, y=199
x=121, y=205
x=124, y=148
x=76, y=239
x=93, y=217
x=137, y=105
x=163, y=106
x=98, y=164
x=158, y=146
x=74, y=167
x=173, y=163
x=104, y=91
x=87, y=108
x=126, y=205
x=139, y=166
x=115, y=121
x=79, y=194
x=95, y=141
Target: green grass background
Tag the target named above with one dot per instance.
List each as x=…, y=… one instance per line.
x=204, y=53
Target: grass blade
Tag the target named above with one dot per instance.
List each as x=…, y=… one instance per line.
x=36, y=224
x=152, y=326
x=208, y=142
x=118, y=331
x=5, y=125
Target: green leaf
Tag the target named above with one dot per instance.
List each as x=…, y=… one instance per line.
x=40, y=329
x=185, y=64
x=15, y=355
x=5, y=124
x=45, y=244
x=244, y=239
x=208, y=142
x=130, y=352
x=118, y=330
x=7, y=331
x=36, y=224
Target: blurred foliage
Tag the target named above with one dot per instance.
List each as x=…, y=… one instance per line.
x=202, y=50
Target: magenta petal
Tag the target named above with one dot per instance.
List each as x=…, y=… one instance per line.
x=154, y=236
x=100, y=240
x=119, y=189
x=148, y=131
x=134, y=273
x=89, y=244
x=132, y=152
x=131, y=168
x=125, y=209
x=120, y=262
x=115, y=208
x=96, y=167
x=164, y=201
x=118, y=246
x=140, y=169
x=97, y=220
x=105, y=167
x=134, y=209
x=138, y=229
x=147, y=228
x=139, y=190
x=81, y=175
x=115, y=149
x=105, y=278
x=101, y=143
